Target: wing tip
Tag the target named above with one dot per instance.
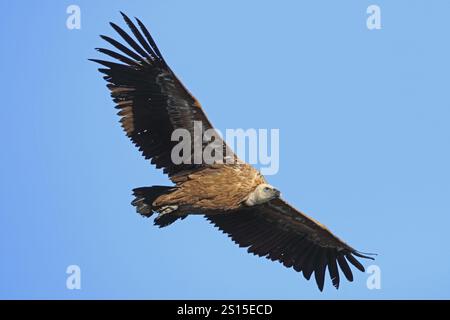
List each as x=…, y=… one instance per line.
x=364, y=255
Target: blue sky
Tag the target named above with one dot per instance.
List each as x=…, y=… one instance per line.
x=364, y=145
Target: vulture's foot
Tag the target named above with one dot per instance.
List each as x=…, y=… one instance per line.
x=167, y=209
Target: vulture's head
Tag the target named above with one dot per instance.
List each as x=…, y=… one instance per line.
x=262, y=193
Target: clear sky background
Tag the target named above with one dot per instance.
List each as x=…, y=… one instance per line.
x=364, y=145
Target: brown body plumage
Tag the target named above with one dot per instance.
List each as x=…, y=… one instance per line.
x=213, y=189
x=234, y=196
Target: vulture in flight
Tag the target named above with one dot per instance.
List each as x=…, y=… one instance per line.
x=232, y=195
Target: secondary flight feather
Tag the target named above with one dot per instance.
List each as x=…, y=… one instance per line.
x=232, y=195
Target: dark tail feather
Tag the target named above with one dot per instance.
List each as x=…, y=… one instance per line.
x=167, y=219
x=146, y=196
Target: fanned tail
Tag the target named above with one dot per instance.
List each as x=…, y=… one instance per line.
x=144, y=199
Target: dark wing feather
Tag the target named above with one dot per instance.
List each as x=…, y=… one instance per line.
x=303, y=254
x=332, y=268
x=355, y=262
x=151, y=99
x=310, y=262
x=345, y=267
x=279, y=232
x=321, y=265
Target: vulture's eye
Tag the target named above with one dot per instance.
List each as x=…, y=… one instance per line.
x=266, y=188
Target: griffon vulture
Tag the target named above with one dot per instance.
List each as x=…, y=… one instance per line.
x=234, y=196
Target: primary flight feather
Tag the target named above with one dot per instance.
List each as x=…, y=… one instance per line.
x=232, y=195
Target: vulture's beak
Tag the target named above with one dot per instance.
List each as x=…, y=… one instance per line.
x=277, y=193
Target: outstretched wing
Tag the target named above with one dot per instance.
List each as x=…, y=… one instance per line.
x=151, y=99
x=281, y=233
